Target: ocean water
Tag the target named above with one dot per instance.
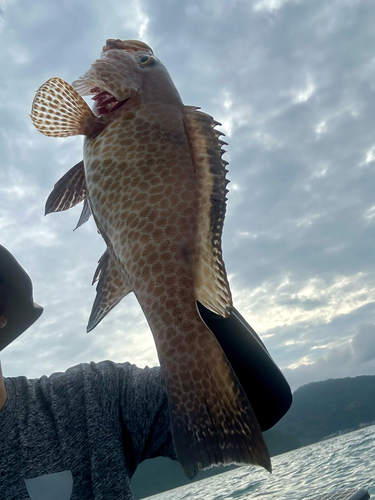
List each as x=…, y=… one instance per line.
x=343, y=462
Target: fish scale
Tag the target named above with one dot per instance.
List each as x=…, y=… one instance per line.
x=156, y=186
x=141, y=224
x=143, y=236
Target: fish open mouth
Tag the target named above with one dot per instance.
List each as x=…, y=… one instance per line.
x=105, y=102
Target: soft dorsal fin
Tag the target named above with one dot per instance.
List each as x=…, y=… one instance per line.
x=211, y=283
x=112, y=287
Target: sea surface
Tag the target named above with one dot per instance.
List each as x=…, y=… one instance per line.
x=343, y=462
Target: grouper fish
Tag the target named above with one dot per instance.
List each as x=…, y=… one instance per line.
x=155, y=182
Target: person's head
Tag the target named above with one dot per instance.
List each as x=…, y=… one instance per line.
x=17, y=308
x=3, y=312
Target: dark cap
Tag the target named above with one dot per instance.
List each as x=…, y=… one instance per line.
x=21, y=309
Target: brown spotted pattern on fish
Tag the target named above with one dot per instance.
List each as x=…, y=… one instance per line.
x=156, y=186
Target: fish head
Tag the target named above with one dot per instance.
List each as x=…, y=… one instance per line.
x=125, y=69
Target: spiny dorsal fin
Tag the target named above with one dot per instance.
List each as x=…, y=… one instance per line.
x=112, y=287
x=59, y=111
x=68, y=191
x=211, y=283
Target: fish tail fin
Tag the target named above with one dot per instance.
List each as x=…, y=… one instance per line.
x=212, y=421
x=59, y=111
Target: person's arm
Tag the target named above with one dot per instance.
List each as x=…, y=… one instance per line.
x=130, y=401
x=144, y=411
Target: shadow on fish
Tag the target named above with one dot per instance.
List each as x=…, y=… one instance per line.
x=155, y=182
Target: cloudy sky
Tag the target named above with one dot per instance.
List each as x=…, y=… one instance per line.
x=293, y=83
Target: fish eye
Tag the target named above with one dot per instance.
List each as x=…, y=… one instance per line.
x=146, y=60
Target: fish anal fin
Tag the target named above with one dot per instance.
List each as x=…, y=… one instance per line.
x=211, y=283
x=68, y=191
x=59, y=111
x=113, y=286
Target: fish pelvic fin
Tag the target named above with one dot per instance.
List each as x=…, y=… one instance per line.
x=59, y=111
x=68, y=191
x=112, y=287
x=212, y=420
x=210, y=277
x=85, y=214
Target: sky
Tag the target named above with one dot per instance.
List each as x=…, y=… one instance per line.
x=292, y=82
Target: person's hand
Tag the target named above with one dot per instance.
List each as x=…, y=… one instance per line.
x=3, y=312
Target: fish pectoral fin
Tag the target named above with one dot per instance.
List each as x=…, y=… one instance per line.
x=85, y=214
x=210, y=277
x=112, y=287
x=59, y=111
x=68, y=191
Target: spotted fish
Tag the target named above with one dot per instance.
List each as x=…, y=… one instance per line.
x=154, y=180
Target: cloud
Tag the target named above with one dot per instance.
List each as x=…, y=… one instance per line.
x=271, y=5
x=363, y=344
x=293, y=302
x=352, y=357
x=292, y=83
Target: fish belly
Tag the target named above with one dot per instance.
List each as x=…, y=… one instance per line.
x=141, y=184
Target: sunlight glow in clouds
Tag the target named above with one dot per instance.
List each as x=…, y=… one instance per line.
x=370, y=214
x=370, y=156
x=144, y=20
x=305, y=94
x=303, y=361
x=231, y=118
x=271, y=5
x=314, y=301
x=321, y=128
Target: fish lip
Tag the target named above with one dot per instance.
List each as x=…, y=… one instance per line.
x=111, y=44
x=127, y=45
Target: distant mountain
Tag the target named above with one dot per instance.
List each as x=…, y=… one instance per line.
x=323, y=409
x=319, y=410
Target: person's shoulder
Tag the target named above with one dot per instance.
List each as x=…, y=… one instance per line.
x=124, y=373
x=108, y=368
x=99, y=375
x=106, y=373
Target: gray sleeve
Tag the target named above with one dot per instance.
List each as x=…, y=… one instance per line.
x=141, y=399
x=132, y=400
x=144, y=412
x=97, y=420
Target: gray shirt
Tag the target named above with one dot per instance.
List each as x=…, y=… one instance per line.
x=81, y=434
